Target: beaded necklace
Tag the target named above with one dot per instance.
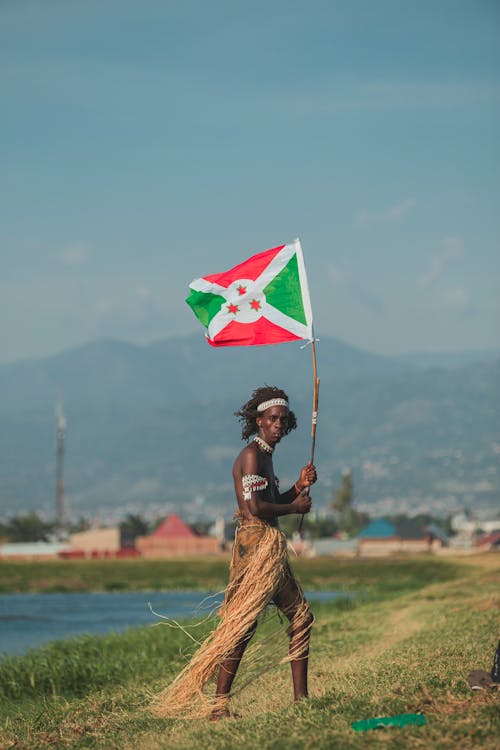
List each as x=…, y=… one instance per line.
x=263, y=445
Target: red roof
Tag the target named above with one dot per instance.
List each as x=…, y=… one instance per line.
x=173, y=527
x=493, y=538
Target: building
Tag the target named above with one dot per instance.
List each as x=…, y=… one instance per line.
x=438, y=538
x=382, y=537
x=489, y=541
x=103, y=542
x=174, y=538
x=333, y=546
x=31, y=550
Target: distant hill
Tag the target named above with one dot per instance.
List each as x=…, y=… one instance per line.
x=108, y=371
x=153, y=426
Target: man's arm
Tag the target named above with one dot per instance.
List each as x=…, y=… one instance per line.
x=261, y=508
x=306, y=479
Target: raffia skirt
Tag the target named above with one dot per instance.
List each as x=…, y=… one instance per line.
x=260, y=574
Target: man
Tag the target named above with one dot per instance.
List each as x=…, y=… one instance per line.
x=260, y=571
x=267, y=416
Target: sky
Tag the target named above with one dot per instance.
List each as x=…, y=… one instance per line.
x=145, y=144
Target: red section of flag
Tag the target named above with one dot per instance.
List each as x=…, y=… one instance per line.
x=252, y=334
x=249, y=269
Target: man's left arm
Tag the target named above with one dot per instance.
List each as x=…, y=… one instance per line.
x=306, y=479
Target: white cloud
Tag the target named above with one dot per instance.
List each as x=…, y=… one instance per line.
x=124, y=301
x=452, y=250
x=425, y=94
x=436, y=268
x=74, y=255
x=395, y=213
x=389, y=216
x=364, y=295
x=104, y=305
x=457, y=297
x=143, y=488
x=217, y=453
x=382, y=95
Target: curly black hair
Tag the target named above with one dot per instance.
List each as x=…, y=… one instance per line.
x=248, y=413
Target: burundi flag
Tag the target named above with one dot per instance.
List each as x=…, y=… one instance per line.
x=264, y=300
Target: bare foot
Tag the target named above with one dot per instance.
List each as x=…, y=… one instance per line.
x=220, y=713
x=300, y=698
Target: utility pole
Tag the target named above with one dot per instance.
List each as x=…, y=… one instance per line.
x=60, y=437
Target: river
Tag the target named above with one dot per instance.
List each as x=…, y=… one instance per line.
x=31, y=620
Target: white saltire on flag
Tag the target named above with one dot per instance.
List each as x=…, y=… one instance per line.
x=264, y=300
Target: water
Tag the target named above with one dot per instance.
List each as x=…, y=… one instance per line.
x=30, y=620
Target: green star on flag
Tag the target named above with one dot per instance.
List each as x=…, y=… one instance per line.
x=264, y=300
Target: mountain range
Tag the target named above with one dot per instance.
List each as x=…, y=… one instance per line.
x=151, y=428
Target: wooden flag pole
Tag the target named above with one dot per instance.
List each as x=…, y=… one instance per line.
x=314, y=414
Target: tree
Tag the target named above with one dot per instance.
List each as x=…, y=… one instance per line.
x=350, y=520
x=343, y=498
x=28, y=528
x=83, y=524
x=132, y=527
x=4, y=532
x=201, y=527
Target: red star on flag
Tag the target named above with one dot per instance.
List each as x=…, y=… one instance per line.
x=255, y=304
x=233, y=308
x=242, y=289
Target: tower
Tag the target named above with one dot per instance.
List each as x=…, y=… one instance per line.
x=60, y=437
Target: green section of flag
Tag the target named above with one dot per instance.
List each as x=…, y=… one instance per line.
x=285, y=294
x=205, y=305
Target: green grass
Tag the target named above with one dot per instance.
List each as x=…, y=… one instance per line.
x=367, y=576
x=76, y=667
x=405, y=647
x=113, y=575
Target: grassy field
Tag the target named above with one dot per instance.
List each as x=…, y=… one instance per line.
x=196, y=574
x=406, y=645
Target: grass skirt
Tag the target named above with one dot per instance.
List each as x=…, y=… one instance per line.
x=258, y=573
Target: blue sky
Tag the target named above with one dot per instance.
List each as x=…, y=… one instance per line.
x=143, y=144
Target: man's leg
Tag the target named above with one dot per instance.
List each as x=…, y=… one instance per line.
x=299, y=652
x=227, y=673
x=290, y=600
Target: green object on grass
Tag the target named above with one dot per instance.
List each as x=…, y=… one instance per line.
x=401, y=720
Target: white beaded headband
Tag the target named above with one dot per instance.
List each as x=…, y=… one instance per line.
x=272, y=402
